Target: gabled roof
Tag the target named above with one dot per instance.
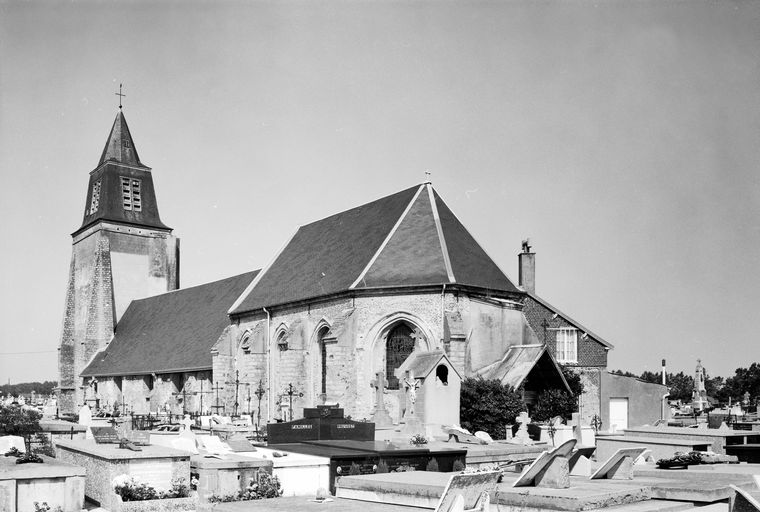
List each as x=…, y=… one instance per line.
x=410, y=238
x=518, y=362
x=421, y=364
x=170, y=332
x=570, y=320
x=120, y=147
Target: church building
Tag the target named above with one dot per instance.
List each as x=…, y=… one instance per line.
x=348, y=297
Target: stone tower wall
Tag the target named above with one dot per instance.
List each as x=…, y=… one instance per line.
x=111, y=265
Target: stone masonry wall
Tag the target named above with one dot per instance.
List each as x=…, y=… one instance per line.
x=92, y=299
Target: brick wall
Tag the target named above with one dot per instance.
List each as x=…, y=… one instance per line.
x=590, y=351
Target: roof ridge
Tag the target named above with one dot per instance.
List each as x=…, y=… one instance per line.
x=388, y=237
x=364, y=205
x=441, y=236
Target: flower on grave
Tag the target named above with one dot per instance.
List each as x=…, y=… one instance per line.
x=122, y=480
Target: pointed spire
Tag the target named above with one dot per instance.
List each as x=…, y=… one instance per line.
x=119, y=147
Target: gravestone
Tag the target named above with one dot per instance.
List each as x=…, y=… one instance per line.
x=620, y=465
x=522, y=436
x=320, y=423
x=105, y=435
x=85, y=416
x=550, y=469
x=468, y=492
x=381, y=417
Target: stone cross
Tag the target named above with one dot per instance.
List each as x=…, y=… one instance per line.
x=186, y=422
x=522, y=433
x=381, y=416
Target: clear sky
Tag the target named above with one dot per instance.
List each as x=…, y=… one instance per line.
x=623, y=138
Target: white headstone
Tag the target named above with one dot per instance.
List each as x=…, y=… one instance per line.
x=85, y=416
x=8, y=442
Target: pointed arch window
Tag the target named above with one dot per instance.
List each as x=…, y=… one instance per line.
x=398, y=346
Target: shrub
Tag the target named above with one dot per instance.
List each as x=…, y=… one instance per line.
x=382, y=467
x=265, y=486
x=355, y=469
x=458, y=466
x=488, y=405
x=432, y=465
x=19, y=421
x=131, y=489
x=554, y=402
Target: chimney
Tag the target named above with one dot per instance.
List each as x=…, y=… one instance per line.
x=527, y=270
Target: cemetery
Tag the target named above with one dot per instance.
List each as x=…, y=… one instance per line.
x=425, y=462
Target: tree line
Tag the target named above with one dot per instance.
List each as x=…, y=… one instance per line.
x=744, y=380
x=25, y=388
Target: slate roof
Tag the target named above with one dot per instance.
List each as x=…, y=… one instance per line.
x=410, y=238
x=170, y=332
x=120, y=160
x=120, y=147
x=517, y=363
x=420, y=364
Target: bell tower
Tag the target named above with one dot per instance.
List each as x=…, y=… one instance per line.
x=121, y=252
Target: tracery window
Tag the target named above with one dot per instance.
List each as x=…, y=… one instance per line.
x=398, y=346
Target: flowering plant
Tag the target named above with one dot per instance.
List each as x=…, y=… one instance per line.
x=265, y=486
x=131, y=489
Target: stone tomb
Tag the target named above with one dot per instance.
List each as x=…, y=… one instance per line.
x=57, y=483
x=229, y=475
x=368, y=454
x=154, y=465
x=320, y=423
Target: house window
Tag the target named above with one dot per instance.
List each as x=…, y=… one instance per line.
x=567, y=345
x=398, y=346
x=130, y=194
x=95, y=199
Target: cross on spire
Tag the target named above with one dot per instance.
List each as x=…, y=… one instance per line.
x=120, y=95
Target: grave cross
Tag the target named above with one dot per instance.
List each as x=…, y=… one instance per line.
x=290, y=392
x=236, y=382
x=201, y=393
x=381, y=416
x=120, y=95
x=184, y=398
x=379, y=383
x=216, y=407
x=417, y=336
x=260, y=391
